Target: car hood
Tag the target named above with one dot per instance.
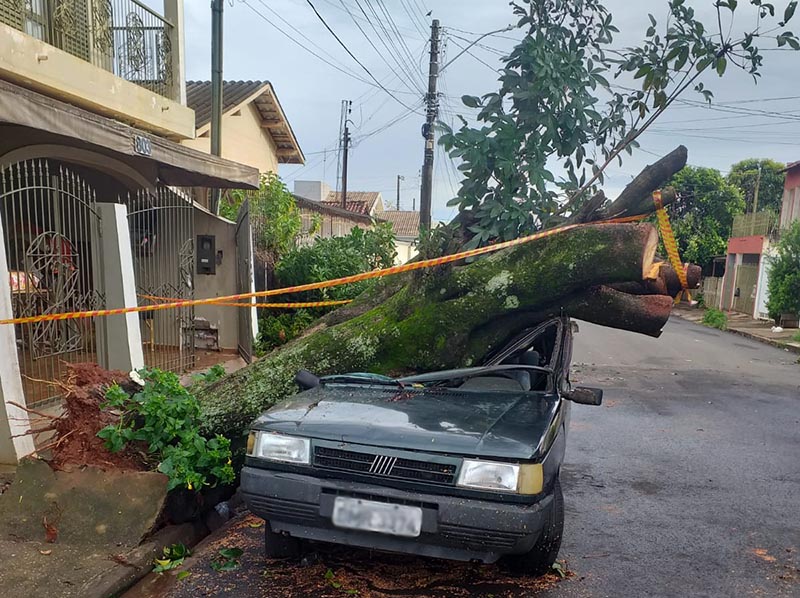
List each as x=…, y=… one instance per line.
x=479, y=423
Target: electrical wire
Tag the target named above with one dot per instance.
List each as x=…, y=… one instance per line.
x=353, y=56
x=389, y=43
x=377, y=51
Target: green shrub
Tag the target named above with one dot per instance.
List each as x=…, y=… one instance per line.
x=796, y=337
x=336, y=257
x=784, y=276
x=166, y=418
x=715, y=319
x=277, y=330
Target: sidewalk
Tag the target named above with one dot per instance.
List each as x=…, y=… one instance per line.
x=746, y=326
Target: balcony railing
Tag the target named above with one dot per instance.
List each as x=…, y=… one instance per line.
x=760, y=223
x=124, y=37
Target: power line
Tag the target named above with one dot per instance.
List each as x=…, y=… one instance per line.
x=393, y=27
x=387, y=41
x=353, y=56
x=374, y=47
x=483, y=62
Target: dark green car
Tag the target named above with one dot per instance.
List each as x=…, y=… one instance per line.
x=460, y=464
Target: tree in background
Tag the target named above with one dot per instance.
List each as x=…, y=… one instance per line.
x=556, y=105
x=784, y=277
x=274, y=216
x=702, y=217
x=744, y=175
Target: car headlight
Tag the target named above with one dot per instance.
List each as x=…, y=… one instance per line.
x=279, y=447
x=526, y=478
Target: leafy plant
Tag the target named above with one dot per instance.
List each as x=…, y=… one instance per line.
x=274, y=331
x=273, y=211
x=172, y=557
x=166, y=418
x=784, y=276
x=715, y=318
x=214, y=373
x=335, y=257
x=549, y=111
x=228, y=559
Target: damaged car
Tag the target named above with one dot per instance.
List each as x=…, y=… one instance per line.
x=460, y=464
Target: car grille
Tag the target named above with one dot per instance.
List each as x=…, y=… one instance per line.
x=477, y=538
x=387, y=466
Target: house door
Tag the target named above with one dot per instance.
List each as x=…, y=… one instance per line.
x=161, y=225
x=51, y=228
x=744, y=300
x=244, y=274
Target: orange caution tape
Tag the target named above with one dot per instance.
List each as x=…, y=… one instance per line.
x=672, y=247
x=431, y=263
x=295, y=305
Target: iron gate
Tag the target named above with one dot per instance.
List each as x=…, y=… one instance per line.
x=244, y=269
x=161, y=224
x=51, y=228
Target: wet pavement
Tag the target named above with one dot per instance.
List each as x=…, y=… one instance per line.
x=686, y=482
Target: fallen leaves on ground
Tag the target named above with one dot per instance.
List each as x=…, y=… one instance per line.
x=339, y=571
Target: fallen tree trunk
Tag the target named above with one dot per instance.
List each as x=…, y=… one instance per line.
x=455, y=319
x=456, y=316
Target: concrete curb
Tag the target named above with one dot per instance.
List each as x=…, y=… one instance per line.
x=744, y=333
x=137, y=563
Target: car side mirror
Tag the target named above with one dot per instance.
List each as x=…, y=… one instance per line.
x=306, y=380
x=584, y=396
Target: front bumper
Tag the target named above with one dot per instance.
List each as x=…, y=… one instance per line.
x=452, y=527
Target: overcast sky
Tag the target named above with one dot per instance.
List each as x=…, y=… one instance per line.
x=311, y=91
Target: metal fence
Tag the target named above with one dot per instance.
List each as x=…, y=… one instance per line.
x=51, y=228
x=759, y=223
x=122, y=36
x=161, y=225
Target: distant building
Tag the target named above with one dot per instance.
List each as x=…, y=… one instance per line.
x=405, y=225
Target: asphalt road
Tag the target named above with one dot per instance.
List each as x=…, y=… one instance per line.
x=686, y=482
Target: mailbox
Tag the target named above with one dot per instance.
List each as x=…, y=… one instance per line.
x=206, y=254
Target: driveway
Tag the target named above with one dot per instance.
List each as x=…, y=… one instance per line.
x=686, y=482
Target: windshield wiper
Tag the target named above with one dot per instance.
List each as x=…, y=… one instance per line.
x=470, y=373
x=375, y=379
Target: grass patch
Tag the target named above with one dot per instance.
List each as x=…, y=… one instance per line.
x=715, y=318
x=796, y=337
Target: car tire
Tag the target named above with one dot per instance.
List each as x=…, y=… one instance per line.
x=539, y=559
x=280, y=546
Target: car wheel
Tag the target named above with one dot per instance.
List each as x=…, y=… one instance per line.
x=539, y=559
x=280, y=546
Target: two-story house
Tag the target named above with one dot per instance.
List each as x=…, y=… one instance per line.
x=97, y=198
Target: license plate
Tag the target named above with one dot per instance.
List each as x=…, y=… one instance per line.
x=380, y=517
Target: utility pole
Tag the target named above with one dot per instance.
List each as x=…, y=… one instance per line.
x=432, y=99
x=216, y=89
x=400, y=177
x=346, y=143
x=755, y=201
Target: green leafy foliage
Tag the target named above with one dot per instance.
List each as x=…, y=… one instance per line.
x=784, y=276
x=548, y=111
x=358, y=251
x=277, y=330
x=796, y=337
x=702, y=217
x=715, y=318
x=228, y=559
x=744, y=175
x=214, y=373
x=172, y=557
x=164, y=417
x=273, y=211
x=335, y=257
